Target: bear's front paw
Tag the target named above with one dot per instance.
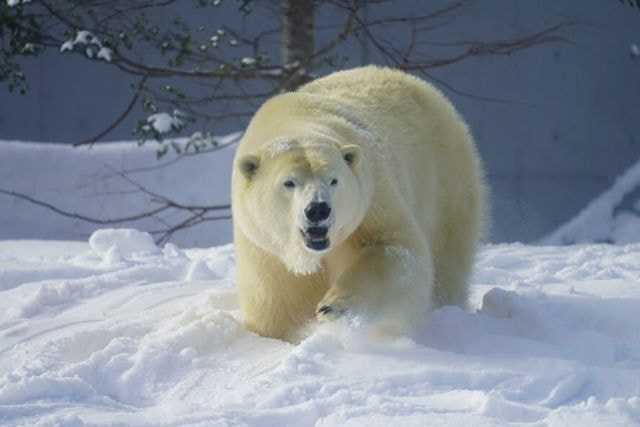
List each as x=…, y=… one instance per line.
x=326, y=311
x=331, y=308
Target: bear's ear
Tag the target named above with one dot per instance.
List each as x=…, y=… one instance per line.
x=352, y=154
x=248, y=165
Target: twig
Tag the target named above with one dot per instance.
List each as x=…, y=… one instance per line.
x=120, y=118
x=506, y=47
x=84, y=217
x=191, y=222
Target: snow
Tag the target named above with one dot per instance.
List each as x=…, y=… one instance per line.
x=118, y=331
x=279, y=146
x=105, y=53
x=93, y=46
x=114, y=330
x=67, y=46
x=125, y=242
x=165, y=122
x=247, y=61
x=613, y=217
x=12, y=3
x=85, y=37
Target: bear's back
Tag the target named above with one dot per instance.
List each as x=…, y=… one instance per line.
x=374, y=86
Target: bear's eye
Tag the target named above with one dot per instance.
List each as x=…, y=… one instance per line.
x=289, y=184
x=334, y=182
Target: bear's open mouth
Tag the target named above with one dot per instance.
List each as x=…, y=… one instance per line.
x=316, y=238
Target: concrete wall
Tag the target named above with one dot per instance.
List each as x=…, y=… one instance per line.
x=572, y=124
x=563, y=124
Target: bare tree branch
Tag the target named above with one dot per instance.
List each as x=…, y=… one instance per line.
x=166, y=234
x=346, y=30
x=212, y=84
x=120, y=118
x=197, y=213
x=81, y=217
x=504, y=47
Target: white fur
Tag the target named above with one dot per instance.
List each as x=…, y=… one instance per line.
x=407, y=211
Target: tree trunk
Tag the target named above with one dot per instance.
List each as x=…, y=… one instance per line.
x=297, y=40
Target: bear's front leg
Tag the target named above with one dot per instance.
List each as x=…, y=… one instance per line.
x=276, y=303
x=388, y=286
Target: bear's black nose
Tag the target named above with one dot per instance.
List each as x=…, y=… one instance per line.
x=317, y=212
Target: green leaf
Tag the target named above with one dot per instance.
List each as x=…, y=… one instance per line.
x=246, y=6
x=160, y=152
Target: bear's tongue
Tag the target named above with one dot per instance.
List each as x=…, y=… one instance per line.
x=316, y=233
x=316, y=238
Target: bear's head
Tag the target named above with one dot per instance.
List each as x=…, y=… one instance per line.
x=299, y=200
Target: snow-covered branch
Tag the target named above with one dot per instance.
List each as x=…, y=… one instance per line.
x=223, y=72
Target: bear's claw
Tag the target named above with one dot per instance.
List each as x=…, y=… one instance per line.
x=327, y=312
x=325, y=309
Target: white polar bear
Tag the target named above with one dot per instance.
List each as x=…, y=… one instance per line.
x=360, y=194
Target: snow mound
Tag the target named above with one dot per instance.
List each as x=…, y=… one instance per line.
x=122, y=365
x=114, y=245
x=613, y=217
x=553, y=338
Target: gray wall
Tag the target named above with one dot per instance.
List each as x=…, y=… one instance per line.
x=573, y=123
x=565, y=122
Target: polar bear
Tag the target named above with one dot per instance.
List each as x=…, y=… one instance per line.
x=360, y=195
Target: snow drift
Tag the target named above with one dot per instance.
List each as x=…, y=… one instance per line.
x=613, y=217
x=119, y=331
